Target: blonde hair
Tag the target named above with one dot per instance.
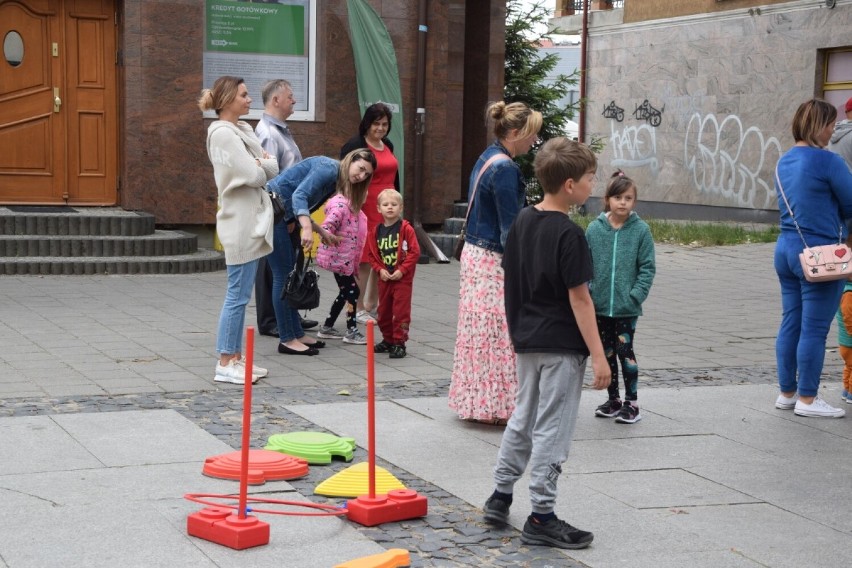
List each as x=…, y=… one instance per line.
x=559, y=160
x=390, y=192
x=810, y=119
x=356, y=193
x=222, y=94
x=513, y=116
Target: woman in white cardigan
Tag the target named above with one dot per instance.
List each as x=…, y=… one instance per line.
x=244, y=221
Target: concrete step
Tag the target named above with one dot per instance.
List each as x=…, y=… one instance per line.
x=159, y=243
x=460, y=210
x=203, y=260
x=453, y=225
x=95, y=221
x=445, y=242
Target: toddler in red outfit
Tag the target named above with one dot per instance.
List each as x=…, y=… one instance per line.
x=393, y=253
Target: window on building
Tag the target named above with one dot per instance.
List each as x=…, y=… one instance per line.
x=837, y=80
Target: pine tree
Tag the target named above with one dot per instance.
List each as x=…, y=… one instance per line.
x=526, y=71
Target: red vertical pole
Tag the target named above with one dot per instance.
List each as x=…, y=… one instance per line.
x=371, y=410
x=244, y=459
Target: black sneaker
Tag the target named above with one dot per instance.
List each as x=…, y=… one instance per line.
x=556, y=533
x=382, y=347
x=629, y=414
x=608, y=409
x=397, y=352
x=496, y=511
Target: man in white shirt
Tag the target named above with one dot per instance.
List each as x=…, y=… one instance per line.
x=275, y=137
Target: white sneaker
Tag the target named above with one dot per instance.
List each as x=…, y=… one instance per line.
x=785, y=403
x=256, y=371
x=364, y=316
x=355, y=337
x=818, y=409
x=233, y=373
x=326, y=332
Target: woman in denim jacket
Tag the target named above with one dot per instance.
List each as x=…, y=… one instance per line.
x=484, y=380
x=303, y=188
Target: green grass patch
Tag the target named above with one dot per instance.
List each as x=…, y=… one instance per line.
x=702, y=234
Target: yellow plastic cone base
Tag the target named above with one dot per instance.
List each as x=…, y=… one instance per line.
x=393, y=558
x=354, y=481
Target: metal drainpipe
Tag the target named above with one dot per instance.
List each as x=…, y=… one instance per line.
x=584, y=41
x=427, y=246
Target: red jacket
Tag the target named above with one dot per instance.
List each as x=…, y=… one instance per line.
x=407, y=251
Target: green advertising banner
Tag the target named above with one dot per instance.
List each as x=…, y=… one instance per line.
x=376, y=71
x=246, y=27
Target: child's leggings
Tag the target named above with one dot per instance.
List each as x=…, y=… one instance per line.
x=617, y=338
x=846, y=353
x=349, y=293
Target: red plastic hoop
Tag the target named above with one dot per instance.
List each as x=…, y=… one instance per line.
x=326, y=510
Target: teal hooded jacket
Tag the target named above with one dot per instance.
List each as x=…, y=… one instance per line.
x=624, y=265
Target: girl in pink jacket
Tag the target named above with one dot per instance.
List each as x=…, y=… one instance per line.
x=344, y=220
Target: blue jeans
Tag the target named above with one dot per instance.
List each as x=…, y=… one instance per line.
x=281, y=261
x=229, y=337
x=807, y=311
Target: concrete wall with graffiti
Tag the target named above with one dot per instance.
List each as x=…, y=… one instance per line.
x=698, y=109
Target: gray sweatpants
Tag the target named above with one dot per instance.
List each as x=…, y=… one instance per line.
x=541, y=428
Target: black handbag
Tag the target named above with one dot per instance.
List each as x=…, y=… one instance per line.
x=302, y=287
x=277, y=207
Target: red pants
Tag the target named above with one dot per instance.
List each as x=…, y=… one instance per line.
x=395, y=310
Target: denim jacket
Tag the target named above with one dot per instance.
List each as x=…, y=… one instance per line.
x=498, y=200
x=305, y=186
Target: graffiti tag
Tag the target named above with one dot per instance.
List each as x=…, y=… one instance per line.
x=634, y=147
x=726, y=159
x=648, y=113
x=613, y=111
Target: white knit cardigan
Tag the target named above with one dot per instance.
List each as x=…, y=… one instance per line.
x=244, y=220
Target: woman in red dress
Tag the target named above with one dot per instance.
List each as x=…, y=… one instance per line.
x=372, y=134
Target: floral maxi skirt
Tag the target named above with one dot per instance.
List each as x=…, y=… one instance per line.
x=484, y=379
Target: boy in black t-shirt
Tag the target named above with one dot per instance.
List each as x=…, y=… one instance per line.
x=552, y=325
x=393, y=253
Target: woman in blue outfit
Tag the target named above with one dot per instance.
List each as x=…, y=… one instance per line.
x=303, y=188
x=818, y=186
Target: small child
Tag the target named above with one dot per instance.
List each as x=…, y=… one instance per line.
x=551, y=321
x=393, y=252
x=345, y=220
x=623, y=256
x=844, y=335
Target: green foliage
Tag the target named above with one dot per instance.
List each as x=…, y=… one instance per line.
x=526, y=71
x=699, y=234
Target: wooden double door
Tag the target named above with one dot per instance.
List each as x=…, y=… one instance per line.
x=58, y=102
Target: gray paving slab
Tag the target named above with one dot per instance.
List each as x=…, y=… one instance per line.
x=109, y=382
x=92, y=513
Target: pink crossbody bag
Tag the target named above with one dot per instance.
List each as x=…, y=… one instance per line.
x=822, y=263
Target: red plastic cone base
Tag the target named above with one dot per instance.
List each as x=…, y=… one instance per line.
x=397, y=505
x=264, y=465
x=221, y=526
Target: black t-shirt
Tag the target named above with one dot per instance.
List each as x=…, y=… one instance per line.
x=546, y=254
x=388, y=241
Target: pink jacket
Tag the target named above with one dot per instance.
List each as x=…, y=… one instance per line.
x=344, y=257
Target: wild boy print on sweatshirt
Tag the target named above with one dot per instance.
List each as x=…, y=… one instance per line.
x=388, y=241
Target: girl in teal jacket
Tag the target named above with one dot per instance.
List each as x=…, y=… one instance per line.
x=623, y=256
